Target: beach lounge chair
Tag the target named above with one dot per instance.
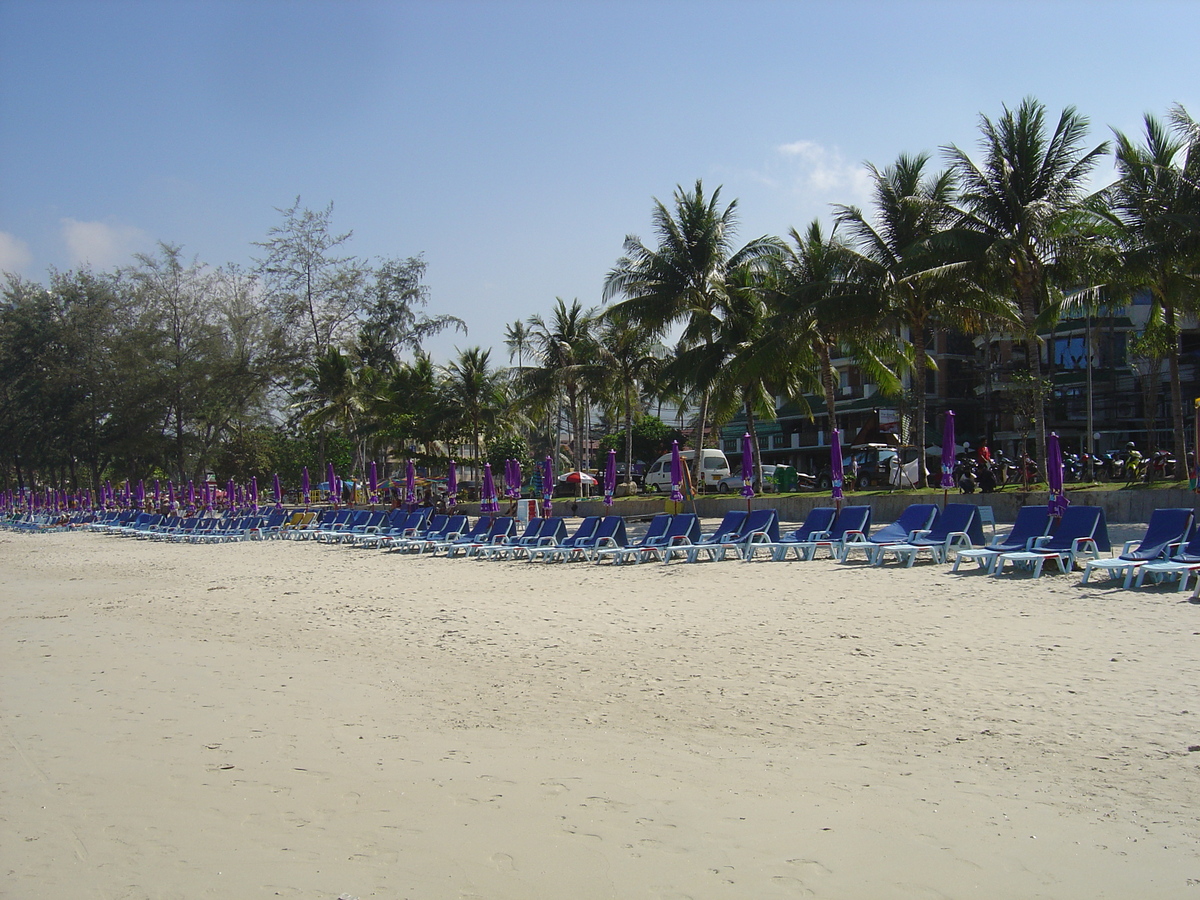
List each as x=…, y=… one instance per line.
x=1082, y=532
x=815, y=526
x=401, y=525
x=538, y=532
x=454, y=528
x=852, y=521
x=655, y=535
x=915, y=518
x=610, y=533
x=957, y=528
x=1166, y=532
x=1032, y=522
x=684, y=528
x=1182, y=565
x=474, y=533
x=761, y=526
x=431, y=528
x=729, y=526
x=583, y=535
x=498, y=531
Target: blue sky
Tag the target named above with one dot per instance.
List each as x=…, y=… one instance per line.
x=515, y=144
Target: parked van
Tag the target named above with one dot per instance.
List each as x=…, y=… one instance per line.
x=716, y=468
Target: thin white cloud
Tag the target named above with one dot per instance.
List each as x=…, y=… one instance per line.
x=821, y=172
x=100, y=244
x=14, y=253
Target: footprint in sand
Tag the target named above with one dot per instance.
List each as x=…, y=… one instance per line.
x=794, y=885
x=503, y=862
x=809, y=866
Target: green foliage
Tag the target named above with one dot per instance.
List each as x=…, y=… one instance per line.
x=651, y=438
x=503, y=447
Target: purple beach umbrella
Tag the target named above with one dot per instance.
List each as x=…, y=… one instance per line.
x=373, y=482
x=676, y=474
x=278, y=492
x=305, y=484
x=331, y=480
x=1054, y=476
x=947, y=455
x=253, y=493
x=514, y=480
x=836, y=468
x=230, y=494
x=747, y=469
x=489, y=503
x=547, y=487
x=610, y=478
x=452, y=486
x=191, y=494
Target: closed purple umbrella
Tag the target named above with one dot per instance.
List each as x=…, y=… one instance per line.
x=141, y=493
x=547, y=487
x=676, y=474
x=305, y=484
x=230, y=494
x=489, y=504
x=191, y=494
x=514, y=481
x=253, y=493
x=171, y=493
x=278, y=492
x=1054, y=476
x=157, y=493
x=947, y=455
x=836, y=468
x=747, y=469
x=610, y=478
x=331, y=480
x=373, y=482
x=410, y=486
x=452, y=486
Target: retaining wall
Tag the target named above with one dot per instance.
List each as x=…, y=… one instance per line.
x=1119, y=506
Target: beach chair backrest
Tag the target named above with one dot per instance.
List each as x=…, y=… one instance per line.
x=613, y=528
x=684, y=525
x=1077, y=522
x=759, y=521
x=532, y=529
x=657, y=529
x=1031, y=522
x=554, y=528
x=1166, y=527
x=915, y=517
x=436, y=524
x=958, y=517
x=851, y=518
x=502, y=526
x=584, y=532
x=818, y=521
x=730, y=524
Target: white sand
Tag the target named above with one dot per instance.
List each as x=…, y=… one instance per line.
x=294, y=720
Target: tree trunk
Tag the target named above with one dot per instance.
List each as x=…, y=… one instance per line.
x=919, y=375
x=698, y=462
x=1177, y=415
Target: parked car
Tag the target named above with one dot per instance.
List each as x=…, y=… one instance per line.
x=715, y=468
x=734, y=482
x=874, y=465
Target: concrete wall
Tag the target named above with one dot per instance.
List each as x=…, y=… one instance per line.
x=1119, y=506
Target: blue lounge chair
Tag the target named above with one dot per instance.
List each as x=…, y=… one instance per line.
x=1032, y=522
x=761, y=526
x=957, y=528
x=1182, y=565
x=852, y=521
x=655, y=535
x=583, y=535
x=1166, y=532
x=815, y=526
x=915, y=518
x=729, y=526
x=684, y=529
x=1082, y=532
x=499, y=532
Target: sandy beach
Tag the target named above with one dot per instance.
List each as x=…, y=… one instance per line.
x=295, y=720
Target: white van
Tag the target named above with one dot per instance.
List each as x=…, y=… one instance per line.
x=716, y=467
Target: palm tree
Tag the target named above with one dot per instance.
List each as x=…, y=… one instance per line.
x=629, y=358
x=331, y=397
x=683, y=279
x=1156, y=199
x=517, y=338
x=565, y=346
x=1024, y=213
x=819, y=309
x=905, y=256
x=476, y=391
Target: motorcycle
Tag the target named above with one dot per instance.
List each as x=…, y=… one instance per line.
x=964, y=475
x=1004, y=469
x=1072, y=467
x=1162, y=464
